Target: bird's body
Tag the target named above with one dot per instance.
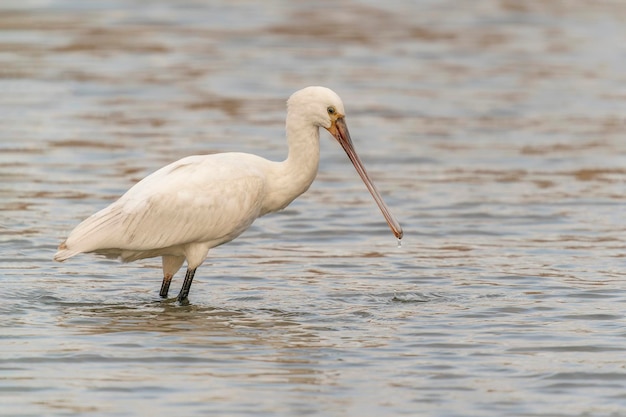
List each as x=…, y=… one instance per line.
x=199, y=202
x=183, y=209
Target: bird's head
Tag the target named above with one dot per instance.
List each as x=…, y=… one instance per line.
x=319, y=106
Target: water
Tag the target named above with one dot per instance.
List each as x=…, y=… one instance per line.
x=495, y=130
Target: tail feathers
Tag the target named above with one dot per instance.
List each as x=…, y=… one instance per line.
x=64, y=253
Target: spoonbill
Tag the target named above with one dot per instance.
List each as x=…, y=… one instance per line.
x=199, y=202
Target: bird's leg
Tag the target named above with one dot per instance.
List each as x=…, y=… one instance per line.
x=171, y=265
x=184, y=291
x=165, y=285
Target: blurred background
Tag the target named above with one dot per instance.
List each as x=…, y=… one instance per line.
x=493, y=128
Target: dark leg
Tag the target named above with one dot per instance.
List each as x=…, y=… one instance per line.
x=165, y=286
x=184, y=291
x=171, y=265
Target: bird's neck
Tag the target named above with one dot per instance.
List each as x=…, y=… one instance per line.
x=294, y=175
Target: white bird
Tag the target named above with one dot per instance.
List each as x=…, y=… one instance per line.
x=199, y=202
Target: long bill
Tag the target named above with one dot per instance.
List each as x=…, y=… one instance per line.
x=339, y=130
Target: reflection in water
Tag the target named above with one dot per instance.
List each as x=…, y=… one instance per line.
x=263, y=346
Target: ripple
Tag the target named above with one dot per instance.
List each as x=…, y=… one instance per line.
x=505, y=298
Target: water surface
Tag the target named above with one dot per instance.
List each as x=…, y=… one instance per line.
x=495, y=130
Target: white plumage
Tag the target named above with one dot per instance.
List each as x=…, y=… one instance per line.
x=188, y=207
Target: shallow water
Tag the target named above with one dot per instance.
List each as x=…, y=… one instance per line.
x=495, y=130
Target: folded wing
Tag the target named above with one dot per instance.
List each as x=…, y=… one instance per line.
x=211, y=198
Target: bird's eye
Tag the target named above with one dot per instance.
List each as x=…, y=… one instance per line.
x=331, y=110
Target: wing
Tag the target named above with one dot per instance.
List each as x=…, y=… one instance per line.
x=209, y=198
